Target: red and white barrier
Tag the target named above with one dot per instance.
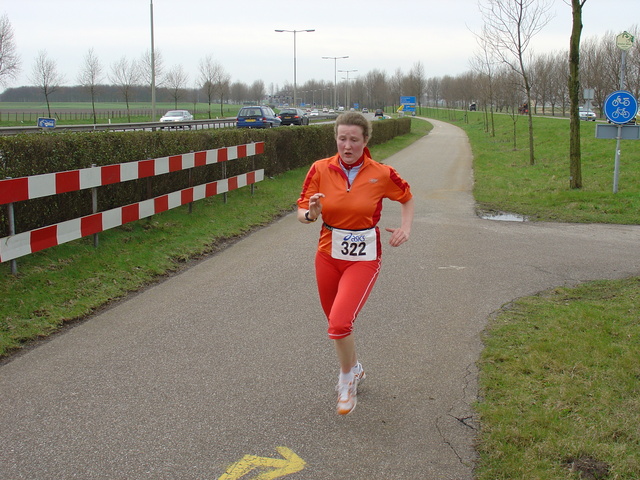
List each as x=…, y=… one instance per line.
x=25, y=243
x=36, y=186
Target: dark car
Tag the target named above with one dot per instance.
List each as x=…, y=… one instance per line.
x=379, y=113
x=257, y=117
x=293, y=116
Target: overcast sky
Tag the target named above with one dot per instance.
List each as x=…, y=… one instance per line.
x=239, y=34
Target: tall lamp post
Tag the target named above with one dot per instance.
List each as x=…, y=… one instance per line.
x=153, y=71
x=347, y=96
x=335, y=77
x=294, y=57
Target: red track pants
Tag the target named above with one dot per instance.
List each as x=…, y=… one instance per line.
x=344, y=288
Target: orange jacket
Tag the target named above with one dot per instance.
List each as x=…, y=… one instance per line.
x=354, y=207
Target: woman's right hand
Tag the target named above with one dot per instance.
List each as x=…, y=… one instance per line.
x=315, y=205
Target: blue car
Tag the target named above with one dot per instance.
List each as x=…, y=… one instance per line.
x=257, y=117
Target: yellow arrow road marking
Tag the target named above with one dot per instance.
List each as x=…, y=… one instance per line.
x=291, y=463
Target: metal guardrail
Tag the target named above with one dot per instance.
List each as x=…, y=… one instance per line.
x=119, y=127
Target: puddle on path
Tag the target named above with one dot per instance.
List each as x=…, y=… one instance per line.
x=504, y=217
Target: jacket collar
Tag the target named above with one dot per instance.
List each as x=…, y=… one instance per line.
x=335, y=160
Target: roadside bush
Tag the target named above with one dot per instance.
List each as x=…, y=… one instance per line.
x=35, y=154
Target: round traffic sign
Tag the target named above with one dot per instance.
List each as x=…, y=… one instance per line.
x=620, y=107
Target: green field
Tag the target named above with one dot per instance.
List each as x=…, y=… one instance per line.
x=73, y=113
x=55, y=106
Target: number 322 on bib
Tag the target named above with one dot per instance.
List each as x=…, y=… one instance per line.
x=354, y=246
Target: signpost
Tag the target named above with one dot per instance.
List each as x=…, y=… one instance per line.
x=620, y=108
x=624, y=41
x=408, y=104
x=46, y=122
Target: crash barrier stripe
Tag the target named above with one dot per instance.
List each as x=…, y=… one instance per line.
x=27, y=188
x=32, y=241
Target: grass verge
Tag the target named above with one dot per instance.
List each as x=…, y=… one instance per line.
x=505, y=182
x=559, y=375
x=560, y=386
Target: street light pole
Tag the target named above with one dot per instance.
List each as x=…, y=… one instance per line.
x=153, y=71
x=347, y=96
x=294, y=57
x=335, y=77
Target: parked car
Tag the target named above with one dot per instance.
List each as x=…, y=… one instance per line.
x=177, y=116
x=586, y=114
x=258, y=116
x=293, y=116
x=379, y=113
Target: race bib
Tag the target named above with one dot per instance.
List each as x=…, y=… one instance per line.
x=354, y=246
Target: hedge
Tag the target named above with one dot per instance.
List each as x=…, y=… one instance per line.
x=33, y=154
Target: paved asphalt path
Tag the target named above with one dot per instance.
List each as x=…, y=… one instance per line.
x=229, y=362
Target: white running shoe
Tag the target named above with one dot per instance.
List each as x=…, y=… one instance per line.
x=348, y=392
x=359, y=374
x=347, y=397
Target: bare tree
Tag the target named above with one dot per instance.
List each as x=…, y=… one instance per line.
x=592, y=68
x=395, y=89
x=485, y=62
x=509, y=96
x=213, y=80
x=176, y=81
x=633, y=64
x=256, y=91
x=543, y=75
x=9, y=59
x=240, y=92
x=511, y=25
x=375, y=88
x=418, y=82
x=125, y=75
x=45, y=76
x=559, y=87
x=145, y=67
x=90, y=77
x=434, y=90
x=575, y=161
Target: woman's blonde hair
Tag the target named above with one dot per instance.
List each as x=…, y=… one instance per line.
x=354, y=118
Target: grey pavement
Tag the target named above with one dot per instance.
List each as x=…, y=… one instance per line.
x=230, y=358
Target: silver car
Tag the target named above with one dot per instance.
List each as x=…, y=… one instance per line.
x=585, y=114
x=177, y=116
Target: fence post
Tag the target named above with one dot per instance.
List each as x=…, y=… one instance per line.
x=190, y=186
x=253, y=168
x=94, y=208
x=12, y=231
x=224, y=175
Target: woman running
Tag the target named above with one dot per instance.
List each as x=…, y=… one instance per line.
x=347, y=191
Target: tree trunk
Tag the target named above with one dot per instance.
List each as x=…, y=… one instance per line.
x=525, y=76
x=575, y=161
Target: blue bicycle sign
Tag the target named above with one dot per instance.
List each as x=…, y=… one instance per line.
x=620, y=107
x=620, y=100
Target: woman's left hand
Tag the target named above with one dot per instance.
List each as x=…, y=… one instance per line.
x=398, y=236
